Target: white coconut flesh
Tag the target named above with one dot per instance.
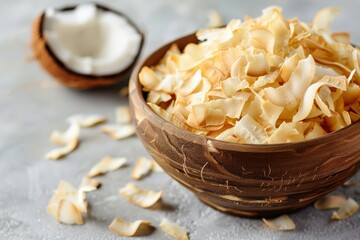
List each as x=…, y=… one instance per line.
x=91, y=41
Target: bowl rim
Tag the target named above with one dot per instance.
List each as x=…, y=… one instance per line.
x=134, y=78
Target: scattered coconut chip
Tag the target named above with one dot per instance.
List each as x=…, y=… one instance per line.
x=68, y=213
x=107, y=164
x=349, y=184
x=130, y=229
x=86, y=120
x=142, y=168
x=330, y=202
x=89, y=184
x=215, y=19
x=283, y=223
x=122, y=114
x=64, y=138
x=141, y=197
x=69, y=138
x=67, y=204
x=118, y=132
x=58, y=153
x=348, y=208
x=174, y=229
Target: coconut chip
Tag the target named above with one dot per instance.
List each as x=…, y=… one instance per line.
x=347, y=209
x=174, y=229
x=142, y=168
x=283, y=223
x=118, y=132
x=68, y=213
x=69, y=139
x=107, y=164
x=67, y=204
x=86, y=120
x=58, y=153
x=270, y=72
x=89, y=184
x=215, y=19
x=64, y=138
x=122, y=114
x=141, y=197
x=130, y=229
x=330, y=202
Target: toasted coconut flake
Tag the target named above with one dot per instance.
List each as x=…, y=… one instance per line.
x=68, y=213
x=122, y=114
x=64, y=138
x=285, y=133
x=130, y=229
x=142, y=168
x=347, y=209
x=86, y=120
x=58, y=153
x=119, y=132
x=283, y=223
x=297, y=85
x=248, y=130
x=174, y=230
x=89, y=184
x=107, y=164
x=324, y=18
x=141, y=197
x=330, y=202
x=270, y=68
x=262, y=38
x=67, y=204
x=215, y=19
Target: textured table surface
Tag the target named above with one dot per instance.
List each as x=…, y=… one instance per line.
x=32, y=105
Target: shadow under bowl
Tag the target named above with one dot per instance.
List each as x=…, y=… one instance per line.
x=244, y=179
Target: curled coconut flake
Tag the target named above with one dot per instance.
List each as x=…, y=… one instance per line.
x=283, y=223
x=107, y=164
x=122, y=114
x=250, y=131
x=68, y=213
x=58, y=153
x=330, y=202
x=89, y=184
x=67, y=204
x=64, y=138
x=86, y=120
x=118, y=132
x=348, y=208
x=324, y=18
x=130, y=229
x=142, y=168
x=141, y=197
x=174, y=229
x=215, y=19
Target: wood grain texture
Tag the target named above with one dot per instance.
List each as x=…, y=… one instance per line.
x=245, y=179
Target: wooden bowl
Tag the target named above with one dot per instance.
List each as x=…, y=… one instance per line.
x=245, y=179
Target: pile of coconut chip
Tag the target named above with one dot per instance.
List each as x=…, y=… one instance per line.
x=263, y=80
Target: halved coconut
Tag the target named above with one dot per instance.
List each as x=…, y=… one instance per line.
x=86, y=46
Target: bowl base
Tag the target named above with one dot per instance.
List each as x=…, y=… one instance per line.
x=252, y=214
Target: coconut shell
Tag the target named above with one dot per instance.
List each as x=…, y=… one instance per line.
x=69, y=78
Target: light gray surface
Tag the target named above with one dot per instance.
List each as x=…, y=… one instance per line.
x=32, y=105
